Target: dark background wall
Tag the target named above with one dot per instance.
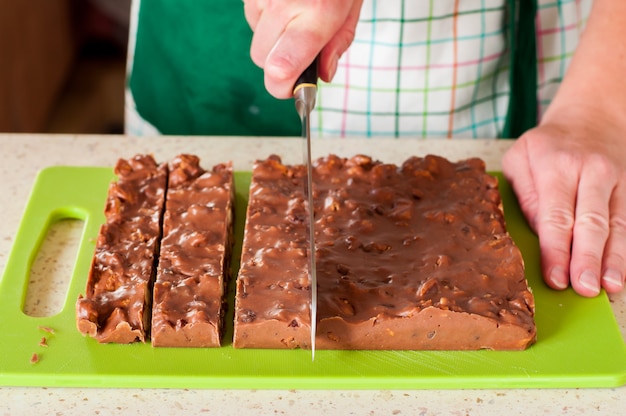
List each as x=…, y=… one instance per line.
x=62, y=65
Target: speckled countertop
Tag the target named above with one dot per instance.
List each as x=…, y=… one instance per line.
x=22, y=156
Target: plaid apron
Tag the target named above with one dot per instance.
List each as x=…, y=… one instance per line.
x=417, y=68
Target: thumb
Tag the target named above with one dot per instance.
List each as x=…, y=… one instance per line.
x=517, y=170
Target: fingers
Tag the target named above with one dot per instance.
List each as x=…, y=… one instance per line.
x=591, y=226
x=289, y=35
x=555, y=219
x=613, y=274
x=575, y=199
x=291, y=54
x=270, y=25
x=517, y=170
x=581, y=222
x=339, y=43
x=252, y=11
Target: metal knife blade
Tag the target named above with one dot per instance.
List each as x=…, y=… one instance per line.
x=304, y=92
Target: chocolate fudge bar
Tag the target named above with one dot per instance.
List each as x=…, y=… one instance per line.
x=411, y=257
x=272, y=303
x=116, y=304
x=194, y=257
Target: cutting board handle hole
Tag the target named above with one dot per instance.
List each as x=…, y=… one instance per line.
x=51, y=270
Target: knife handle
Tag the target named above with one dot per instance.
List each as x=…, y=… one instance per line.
x=308, y=77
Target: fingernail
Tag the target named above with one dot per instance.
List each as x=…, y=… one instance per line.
x=332, y=68
x=277, y=64
x=613, y=278
x=558, y=278
x=589, y=280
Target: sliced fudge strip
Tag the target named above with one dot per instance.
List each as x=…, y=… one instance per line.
x=116, y=304
x=272, y=303
x=194, y=257
x=415, y=257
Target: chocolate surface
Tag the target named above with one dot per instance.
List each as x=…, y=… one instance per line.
x=273, y=288
x=193, y=262
x=115, y=307
x=409, y=257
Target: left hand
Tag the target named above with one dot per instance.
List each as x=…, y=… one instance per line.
x=569, y=174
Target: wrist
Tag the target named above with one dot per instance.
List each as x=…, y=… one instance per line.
x=586, y=116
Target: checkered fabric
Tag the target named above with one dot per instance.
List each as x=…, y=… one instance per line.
x=429, y=68
x=439, y=68
x=559, y=25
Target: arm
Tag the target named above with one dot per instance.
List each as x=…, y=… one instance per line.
x=288, y=35
x=570, y=172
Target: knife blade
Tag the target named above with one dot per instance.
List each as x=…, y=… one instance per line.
x=304, y=92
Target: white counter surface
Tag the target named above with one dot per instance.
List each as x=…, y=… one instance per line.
x=22, y=156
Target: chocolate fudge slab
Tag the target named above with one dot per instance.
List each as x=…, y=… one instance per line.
x=415, y=257
x=272, y=303
x=194, y=257
x=117, y=300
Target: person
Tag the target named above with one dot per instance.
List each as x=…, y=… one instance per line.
x=397, y=68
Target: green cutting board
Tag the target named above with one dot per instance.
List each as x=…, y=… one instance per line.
x=579, y=343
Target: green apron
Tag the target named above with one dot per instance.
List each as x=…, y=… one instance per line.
x=192, y=73
x=523, y=112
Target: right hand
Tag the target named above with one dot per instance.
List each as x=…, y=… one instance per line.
x=288, y=35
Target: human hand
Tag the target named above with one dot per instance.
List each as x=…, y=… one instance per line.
x=569, y=175
x=288, y=35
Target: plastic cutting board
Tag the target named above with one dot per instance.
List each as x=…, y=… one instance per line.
x=579, y=343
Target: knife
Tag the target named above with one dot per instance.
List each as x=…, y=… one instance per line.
x=304, y=92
